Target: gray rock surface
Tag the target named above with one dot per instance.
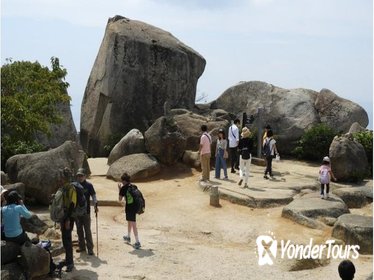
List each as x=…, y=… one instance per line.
x=355, y=197
x=291, y=112
x=9, y=252
x=355, y=230
x=138, y=68
x=138, y=166
x=35, y=260
x=60, y=132
x=356, y=127
x=307, y=209
x=192, y=159
x=19, y=187
x=165, y=141
x=34, y=225
x=348, y=159
x=131, y=143
x=12, y=271
x=41, y=172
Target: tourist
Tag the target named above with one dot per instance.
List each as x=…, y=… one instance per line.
x=245, y=148
x=270, y=151
x=130, y=209
x=325, y=173
x=84, y=222
x=204, y=151
x=346, y=270
x=233, y=136
x=267, y=128
x=11, y=218
x=221, y=155
x=67, y=224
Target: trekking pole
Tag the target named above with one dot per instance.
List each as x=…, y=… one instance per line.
x=97, y=235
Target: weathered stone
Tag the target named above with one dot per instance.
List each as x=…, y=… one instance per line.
x=138, y=166
x=61, y=132
x=34, y=225
x=12, y=271
x=165, y=141
x=307, y=209
x=356, y=127
x=138, y=68
x=355, y=230
x=348, y=159
x=4, y=178
x=355, y=197
x=291, y=112
x=192, y=159
x=34, y=260
x=131, y=143
x=52, y=233
x=19, y=187
x=9, y=252
x=41, y=172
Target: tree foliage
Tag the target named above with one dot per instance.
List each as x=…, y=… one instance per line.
x=30, y=94
x=366, y=140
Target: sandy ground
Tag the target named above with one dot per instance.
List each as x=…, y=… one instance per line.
x=184, y=238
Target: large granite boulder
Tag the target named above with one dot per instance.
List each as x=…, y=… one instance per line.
x=312, y=211
x=291, y=112
x=348, y=159
x=355, y=197
x=138, y=166
x=34, y=225
x=12, y=271
x=165, y=141
x=19, y=187
x=356, y=127
x=9, y=252
x=41, y=172
x=355, y=230
x=138, y=69
x=61, y=132
x=4, y=178
x=131, y=143
x=34, y=260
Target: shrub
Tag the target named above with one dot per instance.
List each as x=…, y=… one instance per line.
x=315, y=143
x=365, y=138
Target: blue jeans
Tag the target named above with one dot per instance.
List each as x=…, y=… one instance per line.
x=220, y=163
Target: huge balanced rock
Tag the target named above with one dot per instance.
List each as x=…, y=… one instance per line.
x=131, y=143
x=138, y=166
x=355, y=230
x=41, y=172
x=138, y=68
x=291, y=111
x=348, y=159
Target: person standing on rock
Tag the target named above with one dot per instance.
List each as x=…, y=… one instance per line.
x=221, y=155
x=130, y=209
x=11, y=218
x=270, y=151
x=245, y=149
x=205, y=151
x=325, y=173
x=84, y=222
x=233, y=136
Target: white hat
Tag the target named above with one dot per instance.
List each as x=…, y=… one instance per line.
x=327, y=159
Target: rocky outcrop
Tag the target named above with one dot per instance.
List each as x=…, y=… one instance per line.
x=291, y=112
x=9, y=252
x=356, y=127
x=131, y=143
x=165, y=141
x=41, y=172
x=34, y=225
x=61, y=132
x=355, y=230
x=309, y=210
x=138, y=69
x=355, y=197
x=34, y=260
x=19, y=187
x=138, y=166
x=348, y=159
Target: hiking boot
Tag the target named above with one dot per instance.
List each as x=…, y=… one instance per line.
x=127, y=238
x=137, y=245
x=69, y=268
x=240, y=182
x=91, y=253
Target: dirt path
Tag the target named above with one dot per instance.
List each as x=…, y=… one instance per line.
x=184, y=238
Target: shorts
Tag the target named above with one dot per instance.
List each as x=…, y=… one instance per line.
x=131, y=215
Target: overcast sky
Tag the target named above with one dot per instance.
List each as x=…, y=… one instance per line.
x=312, y=44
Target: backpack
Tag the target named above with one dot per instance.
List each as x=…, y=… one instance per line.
x=81, y=207
x=56, y=208
x=138, y=198
x=266, y=150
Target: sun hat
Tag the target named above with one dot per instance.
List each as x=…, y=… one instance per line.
x=327, y=159
x=81, y=171
x=245, y=132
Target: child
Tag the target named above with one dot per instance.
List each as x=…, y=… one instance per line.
x=324, y=177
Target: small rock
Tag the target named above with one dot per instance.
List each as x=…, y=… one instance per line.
x=35, y=260
x=34, y=225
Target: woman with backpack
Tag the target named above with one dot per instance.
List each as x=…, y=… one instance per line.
x=270, y=152
x=245, y=149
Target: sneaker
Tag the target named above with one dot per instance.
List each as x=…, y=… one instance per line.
x=69, y=268
x=322, y=196
x=91, y=253
x=127, y=238
x=80, y=250
x=240, y=182
x=266, y=177
x=137, y=245
x=233, y=171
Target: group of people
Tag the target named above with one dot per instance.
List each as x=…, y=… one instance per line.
x=238, y=148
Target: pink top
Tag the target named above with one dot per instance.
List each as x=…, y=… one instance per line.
x=205, y=142
x=324, y=174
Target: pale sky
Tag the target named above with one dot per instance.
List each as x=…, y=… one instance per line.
x=312, y=44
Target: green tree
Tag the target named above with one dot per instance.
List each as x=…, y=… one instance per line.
x=366, y=140
x=30, y=94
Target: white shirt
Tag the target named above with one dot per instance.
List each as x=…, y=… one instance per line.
x=271, y=144
x=233, y=136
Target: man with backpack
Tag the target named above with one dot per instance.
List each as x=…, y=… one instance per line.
x=135, y=204
x=269, y=151
x=83, y=221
